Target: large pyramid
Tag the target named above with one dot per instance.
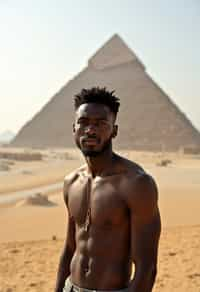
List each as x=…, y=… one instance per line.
x=148, y=119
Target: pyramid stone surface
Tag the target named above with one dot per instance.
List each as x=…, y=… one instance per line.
x=113, y=53
x=148, y=119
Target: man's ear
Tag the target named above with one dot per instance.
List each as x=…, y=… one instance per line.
x=73, y=128
x=115, y=130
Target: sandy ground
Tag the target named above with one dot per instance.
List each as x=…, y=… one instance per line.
x=29, y=254
x=31, y=265
x=29, y=174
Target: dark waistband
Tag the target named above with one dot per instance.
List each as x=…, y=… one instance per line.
x=79, y=289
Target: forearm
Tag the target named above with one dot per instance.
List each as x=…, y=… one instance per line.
x=143, y=280
x=63, y=270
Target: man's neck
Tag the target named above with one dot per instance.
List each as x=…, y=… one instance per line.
x=101, y=164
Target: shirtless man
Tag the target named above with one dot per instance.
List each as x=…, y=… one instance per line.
x=113, y=216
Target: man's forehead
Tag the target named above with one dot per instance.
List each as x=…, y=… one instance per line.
x=93, y=109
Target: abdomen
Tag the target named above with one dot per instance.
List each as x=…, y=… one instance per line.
x=102, y=258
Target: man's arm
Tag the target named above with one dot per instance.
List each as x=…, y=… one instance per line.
x=145, y=233
x=69, y=247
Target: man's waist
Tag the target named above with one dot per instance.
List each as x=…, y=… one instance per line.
x=70, y=286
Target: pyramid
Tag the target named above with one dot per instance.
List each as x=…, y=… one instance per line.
x=148, y=119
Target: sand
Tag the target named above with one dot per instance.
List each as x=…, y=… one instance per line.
x=31, y=265
x=32, y=235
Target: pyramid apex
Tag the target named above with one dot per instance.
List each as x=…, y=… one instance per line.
x=116, y=35
x=114, y=52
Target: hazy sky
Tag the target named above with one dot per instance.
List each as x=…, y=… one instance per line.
x=44, y=43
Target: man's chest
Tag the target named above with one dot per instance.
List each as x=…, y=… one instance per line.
x=102, y=199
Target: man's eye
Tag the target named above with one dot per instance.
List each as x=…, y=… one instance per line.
x=82, y=122
x=103, y=123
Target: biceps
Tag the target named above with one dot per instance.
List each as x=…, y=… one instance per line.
x=145, y=238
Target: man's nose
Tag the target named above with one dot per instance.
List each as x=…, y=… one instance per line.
x=90, y=129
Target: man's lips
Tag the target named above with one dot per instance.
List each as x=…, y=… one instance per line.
x=90, y=141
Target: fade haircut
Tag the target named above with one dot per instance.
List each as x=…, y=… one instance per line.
x=98, y=95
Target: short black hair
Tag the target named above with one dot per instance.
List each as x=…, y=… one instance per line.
x=97, y=95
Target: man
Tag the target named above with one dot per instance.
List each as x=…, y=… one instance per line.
x=113, y=216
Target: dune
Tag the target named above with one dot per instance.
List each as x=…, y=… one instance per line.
x=36, y=200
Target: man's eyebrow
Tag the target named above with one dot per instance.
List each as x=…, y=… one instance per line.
x=102, y=118
x=98, y=118
x=82, y=118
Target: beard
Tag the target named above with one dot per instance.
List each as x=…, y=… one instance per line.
x=94, y=153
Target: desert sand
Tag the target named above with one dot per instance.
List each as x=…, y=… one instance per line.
x=33, y=230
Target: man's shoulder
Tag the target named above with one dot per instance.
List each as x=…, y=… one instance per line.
x=141, y=185
x=73, y=177
x=143, y=196
x=129, y=167
x=145, y=187
x=140, y=177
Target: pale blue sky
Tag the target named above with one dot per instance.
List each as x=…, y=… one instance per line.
x=44, y=43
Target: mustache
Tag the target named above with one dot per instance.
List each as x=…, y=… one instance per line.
x=93, y=136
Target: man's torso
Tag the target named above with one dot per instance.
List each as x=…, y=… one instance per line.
x=102, y=254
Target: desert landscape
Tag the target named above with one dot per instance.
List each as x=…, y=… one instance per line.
x=33, y=225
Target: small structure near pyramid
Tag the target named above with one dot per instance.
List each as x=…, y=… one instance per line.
x=148, y=119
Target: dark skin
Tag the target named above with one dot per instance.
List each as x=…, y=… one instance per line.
x=125, y=221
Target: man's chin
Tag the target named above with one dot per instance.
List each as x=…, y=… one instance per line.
x=90, y=153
